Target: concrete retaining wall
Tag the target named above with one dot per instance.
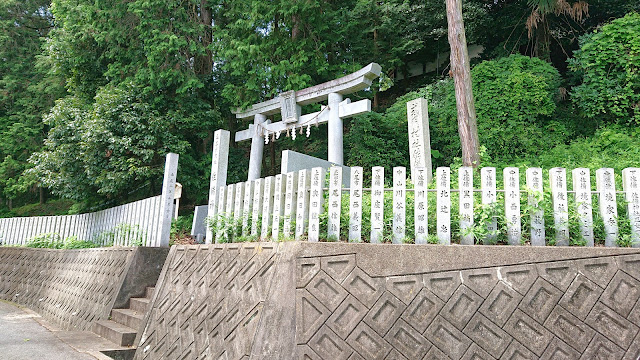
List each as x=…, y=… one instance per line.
x=74, y=288
x=360, y=301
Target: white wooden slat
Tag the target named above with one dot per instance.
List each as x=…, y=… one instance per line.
x=631, y=188
x=443, y=205
x=399, y=204
x=489, y=198
x=558, y=181
x=247, y=207
x=355, y=205
x=607, y=202
x=316, y=202
x=335, y=203
x=258, y=189
x=534, y=183
x=511, y=179
x=377, y=204
x=278, y=205
x=302, y=202
x=465, y=185
x=290, y=204
x=582, y=195
x=267, y=206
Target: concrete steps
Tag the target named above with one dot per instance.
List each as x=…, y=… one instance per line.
x=124, y=324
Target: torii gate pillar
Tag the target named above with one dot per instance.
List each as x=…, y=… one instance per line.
x=257, y=148
x=336, y=150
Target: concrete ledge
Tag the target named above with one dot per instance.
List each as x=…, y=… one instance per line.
x=303, y=300
x=74, y=288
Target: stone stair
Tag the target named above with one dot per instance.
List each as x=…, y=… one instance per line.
x=123, y=326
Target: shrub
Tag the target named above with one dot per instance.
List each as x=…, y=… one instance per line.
x=609, y=62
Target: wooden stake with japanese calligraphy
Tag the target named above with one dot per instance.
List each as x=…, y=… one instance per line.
x=558, y=180
x=316, y=201
x=534, y=183
x=511, y=178
x=606, y=186
x=377, y=204
x=355, y=205
x=489, y=198
x=443, y=205
x=258, y=188
x=302, y=202
x=399, y=204
x=631, y=188
x=421, y=206
x=290, y=203
x=465, y=184
x=335, y=202
x=582, y=188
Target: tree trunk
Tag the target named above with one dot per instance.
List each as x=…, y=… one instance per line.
x=460, y=69
x=42, y=197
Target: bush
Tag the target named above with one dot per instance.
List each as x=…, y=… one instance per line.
x=609, y=62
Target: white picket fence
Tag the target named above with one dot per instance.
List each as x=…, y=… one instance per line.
x=135, y=223
x=276, y=202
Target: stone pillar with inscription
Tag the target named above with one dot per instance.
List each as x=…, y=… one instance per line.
x=465, y=183
x=219, y=162
x=419, y=138
x=420, y=211
x=168, y=189
x=606, y=186
x=377, y=204
x=355, y=205
x=631, y=188
x=443, y=205
x=534, y=183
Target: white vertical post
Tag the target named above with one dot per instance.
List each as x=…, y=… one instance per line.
x=489, y=198
x=399, y=204
x=558, y=180
x=582, y=187
x=219, y=162
x=420, y=211
x=258, y=188
x=355, y=205
x=220, y=219
x=335, y=129
x=168, y=189
x=377, y=204
x=246, y=212
x=267, y=206
x=443, y=205
x=290, y=204
x=511, y=178
x=278, y=205
x=335, y=202
x=632, y=195
x=465, y=183
x=534, y=183
x=316, y=201
x=228, y=212
x=238, y=209
x=302, y=203
x=606, y=186
x=257, y=148
x=419, y=138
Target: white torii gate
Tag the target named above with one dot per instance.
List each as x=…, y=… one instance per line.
x=288, y=104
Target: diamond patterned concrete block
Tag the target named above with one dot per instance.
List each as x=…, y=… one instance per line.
x=407, y=340
x=306, y=269
x=436, y=354
x=356, y=356
x=405, y=287
x=423, y=310
x=602, y=348
x=328, y=345
x=613, y=326
x=384, y=313
x=630, y=264
x=447, y=338
x=461, y=307
x=311, y=315
x=395, y=355
x=500, y=303
x=476, y=353
x=442, y=284
x=528, y=332
x=633, y=353
x=559, y=274
x=347, y=316
x=368, y=343
x=540, y=300
x=338, y=267
x=327, y=290
x=304, y=352
x=569, y=328
x=519, y=277
x=559, y=350
x=517, y=351
x=363, y=287
x=480, y=280
x=634, y=315
x=622, y=293
x=487, y=334
x=580, y=297
x=598, y=270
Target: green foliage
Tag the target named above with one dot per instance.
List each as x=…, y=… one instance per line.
x=53, y=241
x=106, y=147
x=609, y=62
